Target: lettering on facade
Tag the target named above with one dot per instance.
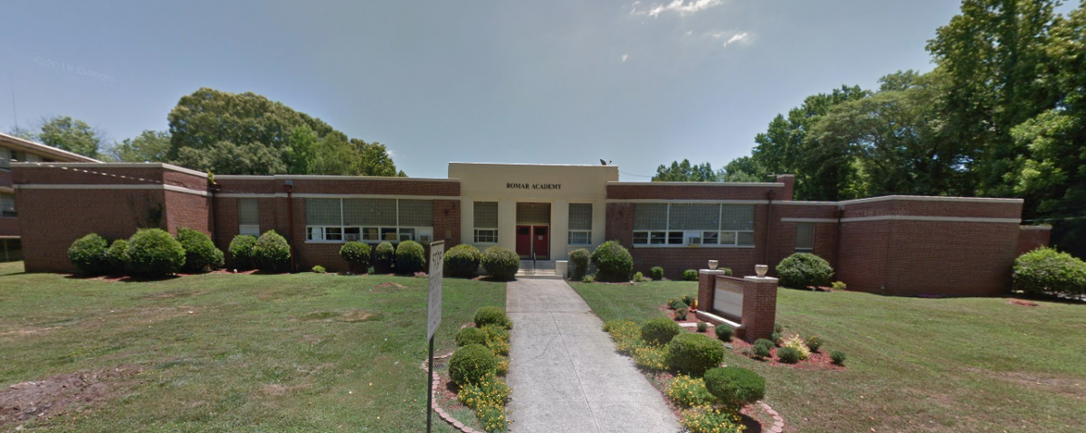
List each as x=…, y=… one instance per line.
x=515, y=185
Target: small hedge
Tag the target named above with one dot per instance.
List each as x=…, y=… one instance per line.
x=200, y=252
x=470, y=335
x=800, y=270
x=410, y=258
x=659, y=331
x=690, y=275
x=788, y=355
x=241, y=252
x=154, y=253
x=383, y=257
x=814, y=342
x=838, y=357
x=501, y=263
x=613, y=262
x=357, y=256
x=1047, y=271
x=657, y=273
x=492, y=316
x=271, y=253
x=471, y=363
x=578, y=262
x=693, y=354
x=117, y=255
x=88, y=254
x=735, y=386
x=462, y=261
x=724, y=332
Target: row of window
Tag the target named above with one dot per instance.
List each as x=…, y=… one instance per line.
x=8, y=155
x=486, y=222
x=7, y=205
x=369, y=220
x=693, y=224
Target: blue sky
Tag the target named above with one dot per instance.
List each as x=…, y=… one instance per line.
x=560, y=82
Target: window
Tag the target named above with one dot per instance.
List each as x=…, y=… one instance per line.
x=5, y=158
x=7, y=205
x=804, y=236
x=580, y=223
x=693, y=224
x=486, y=222
x=369, y=220
x=248, y=217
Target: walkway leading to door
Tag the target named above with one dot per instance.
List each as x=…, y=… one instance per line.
x=565, y=373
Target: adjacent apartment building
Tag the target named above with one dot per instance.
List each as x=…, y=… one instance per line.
x=894, y=245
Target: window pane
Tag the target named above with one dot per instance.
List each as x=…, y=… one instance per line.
x=322, y=212
x=710, y=238
x=417, y=213
x=746, y=238
x=248, y=211
x=641, y=238
x=7, y=205
x=369, y=212
x=407, y=234
x=486, y=214
x=314, y=233
x=694, y=217
x=388, y=234
x=333, y=233
x=579, y=238
x=675, y=238
x=657, y=238
x=533, y=213
x=727, y=238
x=738, y=217
x=650, y=216
x=370, y=234
x=804, y=236
x=352, y=234
x=580, y=216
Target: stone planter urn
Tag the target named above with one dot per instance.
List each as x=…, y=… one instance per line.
x=761, y=269
x=713, y=264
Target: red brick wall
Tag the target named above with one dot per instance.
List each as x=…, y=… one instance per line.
x=189, y=211
x=620, y=223
x=447, y=222
x=678, y=259
x=1030, y=238
x=5, y=178
x=708, y=191
x=9, y=226
x=950, y=258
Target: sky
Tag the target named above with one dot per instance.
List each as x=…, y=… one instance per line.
x=638, y=83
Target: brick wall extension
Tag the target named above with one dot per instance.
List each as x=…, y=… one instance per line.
x=1032, y=237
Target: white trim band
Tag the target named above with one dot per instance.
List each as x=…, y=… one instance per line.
x=934, y=198
x=712, y=184
x=809, y=220
x=112, y=186
x=653, y=200
x=329, y=177
x=933, y=218
x=321, y=195
x=1036, y=228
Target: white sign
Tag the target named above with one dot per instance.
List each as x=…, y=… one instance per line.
x=437, y=262
x=728, y=298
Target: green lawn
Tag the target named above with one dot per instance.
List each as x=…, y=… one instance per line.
x=219, y=352
x=914, y=365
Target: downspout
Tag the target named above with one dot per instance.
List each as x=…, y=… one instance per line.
x=290, y=222
x=211, y=212
x=840, y=212
x=768, y=217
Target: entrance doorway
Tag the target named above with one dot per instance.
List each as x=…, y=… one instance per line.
x=533, y=230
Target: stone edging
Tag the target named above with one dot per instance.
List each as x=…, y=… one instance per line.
x=778, y=422
x=435, y=380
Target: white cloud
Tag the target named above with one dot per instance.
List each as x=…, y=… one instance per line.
x=682, y=7
x=625, y=56
x=735, y=38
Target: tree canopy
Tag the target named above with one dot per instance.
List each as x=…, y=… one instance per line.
x=65, y=133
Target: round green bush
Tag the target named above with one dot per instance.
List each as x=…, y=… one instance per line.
x=800, y=270
x=117, y=254
x=788, y=355
x=814, y=342
x=690, y=275
x=838, y=357
x=88, y=254
x=501, y=263
x=470, y=335
x=613, y=262
x=768, y=344
x=491, y=315
x=675, y=304
x=776, y=338
x=462, y=261
x=657, y=273
x=469, y=364
x=578, y=262
x=271, y=252
x=761, y=351
x=241, y=252
x=735, y=386
x=638, y=277
x=693, y=354
x=357, y=256
x=1047, y=271
x=724, y=332
x=681, y=312
x=383, y=257
x=659, y=330
x=688, y=300
x=410, y=258
x=200, y=252
x=702, y=326
x=154, y=253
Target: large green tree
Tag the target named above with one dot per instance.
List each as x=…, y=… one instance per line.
x=149, y=146
x=69, y=134
x=685, y=172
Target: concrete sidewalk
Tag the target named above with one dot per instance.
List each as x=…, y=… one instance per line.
x=565, y=373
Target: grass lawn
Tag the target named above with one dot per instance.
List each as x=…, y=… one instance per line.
x=240, y=353
x=914, y=365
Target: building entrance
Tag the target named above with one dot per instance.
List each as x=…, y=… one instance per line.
x=533, y=230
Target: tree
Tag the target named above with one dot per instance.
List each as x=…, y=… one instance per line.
x=69, y=134
x=374, y=160
x=743, y=169
x=149, y=146
x=684, y=172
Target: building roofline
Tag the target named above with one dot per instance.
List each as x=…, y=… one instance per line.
x=532, y=164
x=713, y=184
x=329, y=177
x=162, y=165
x=24, y=145
x=932, y=198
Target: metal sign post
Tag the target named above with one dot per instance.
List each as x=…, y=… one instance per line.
x=433, y=319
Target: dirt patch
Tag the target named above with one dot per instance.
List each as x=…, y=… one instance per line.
x=388, y=285
x=26, y=331
x=55, y=395
x=349, y=316
x=1022, y=302
x=169, y=294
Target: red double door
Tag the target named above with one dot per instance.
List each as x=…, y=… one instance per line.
x=533, y=240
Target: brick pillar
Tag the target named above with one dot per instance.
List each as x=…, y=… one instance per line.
x=707, y=288
x=759, y=307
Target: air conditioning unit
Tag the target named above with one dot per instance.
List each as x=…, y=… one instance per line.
x=692, y=238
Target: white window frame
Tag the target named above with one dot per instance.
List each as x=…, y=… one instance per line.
x=339, y=235
x=664, y=238
x=805, y=249
x=587, y=237
x=484, y=235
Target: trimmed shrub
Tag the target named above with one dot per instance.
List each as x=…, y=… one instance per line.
x=727, y=271
x=690, y=275
x=410, y=258
x=702, y=326
x=638, y=277
x=657, y=273
x=383, y=257
x=838, y=285
x=357, y=256
x=768, y=344
x=271, y=253
x=800, y=270
x=471, y=363
x=674, y=303
x=492, y=316
x=241, y=252
x=117, y=255
x=724, y=332
x=735, y=386
x=319, y=269
x=613, y=262
x=659, y=331
x=470, y=335
x=681, y=312
x=154, y=253
x=693, y=354
x=813, y=342
x=1047, y=271
x=588, y=279
x=501, y=263
x=788, y=355
x=761, y=352
x=838, y=357
x=200, y=253
x=796, y=343
x=776, y=338
x=462, y=261
x=689, y=392
x=777, y=327
x=688, y=300
x=651, y=357
x=88, y=253
x=578, y=263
